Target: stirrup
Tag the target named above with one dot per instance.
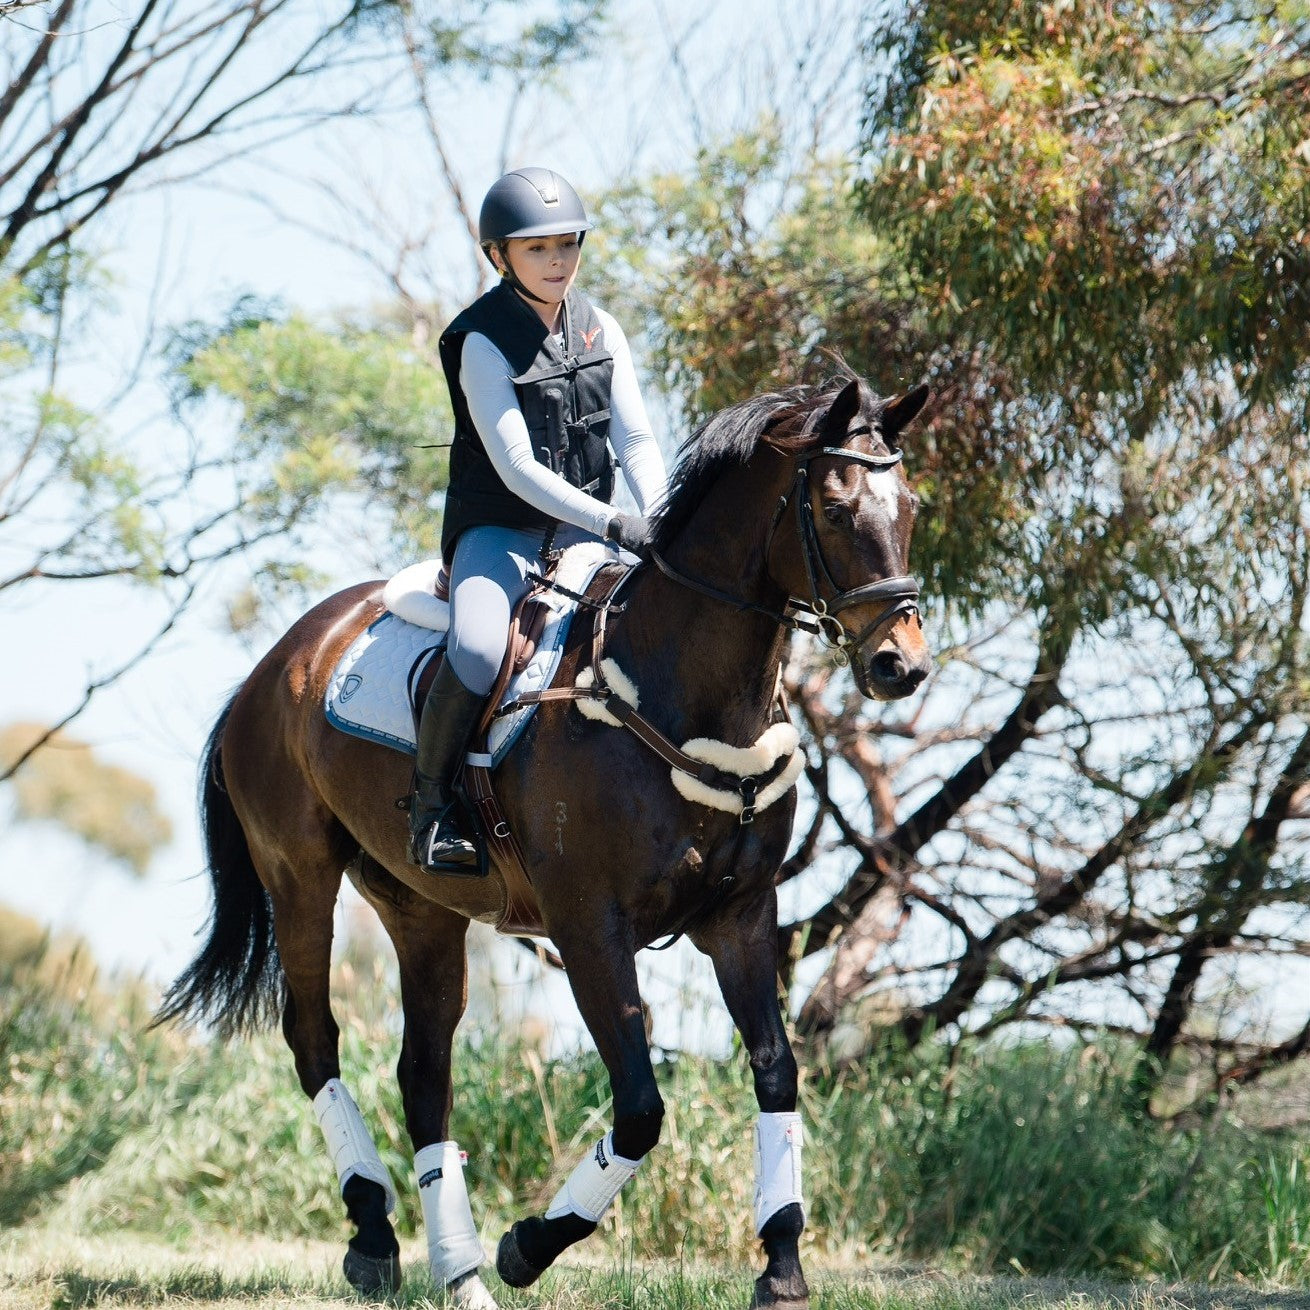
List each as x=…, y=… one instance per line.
x=421, y=849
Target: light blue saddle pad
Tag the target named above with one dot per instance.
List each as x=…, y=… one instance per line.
x=370, y=692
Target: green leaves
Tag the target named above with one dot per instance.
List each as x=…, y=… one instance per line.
x=498, y=36
x=322, y=410
x=756, y=270
x=1105, y=193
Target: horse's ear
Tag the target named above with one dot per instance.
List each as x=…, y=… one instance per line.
x=845, y=406
x=901, y=412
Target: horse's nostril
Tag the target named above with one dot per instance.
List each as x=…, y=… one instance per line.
x=888, y=666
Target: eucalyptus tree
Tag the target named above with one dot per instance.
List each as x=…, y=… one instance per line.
x=1087, y=227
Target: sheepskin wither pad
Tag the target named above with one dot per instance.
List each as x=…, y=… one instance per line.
x=777, y=741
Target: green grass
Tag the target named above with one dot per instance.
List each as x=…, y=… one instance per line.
x=52, y=1272
x=1010, y=1160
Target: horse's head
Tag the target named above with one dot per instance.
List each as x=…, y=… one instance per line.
x=849, y=556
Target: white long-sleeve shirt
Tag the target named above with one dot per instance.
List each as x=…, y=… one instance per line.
x=485, y=378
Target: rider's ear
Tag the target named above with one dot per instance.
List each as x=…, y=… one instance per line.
x=901, y=412
x=845, y=407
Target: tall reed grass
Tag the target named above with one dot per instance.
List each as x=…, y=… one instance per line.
x=1022, y=1157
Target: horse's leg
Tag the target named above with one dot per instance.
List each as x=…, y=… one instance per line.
x=603, y=975
x=429, y=942
x=302, y=916
x=745, y=956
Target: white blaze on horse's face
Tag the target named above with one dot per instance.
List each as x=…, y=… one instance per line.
x=885, y=489
x=870, y=513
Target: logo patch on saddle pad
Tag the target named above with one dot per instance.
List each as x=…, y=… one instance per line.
x=371, y=691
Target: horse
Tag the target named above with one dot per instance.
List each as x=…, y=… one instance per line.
x=789, y=509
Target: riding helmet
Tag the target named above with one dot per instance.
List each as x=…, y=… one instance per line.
x=530, y=202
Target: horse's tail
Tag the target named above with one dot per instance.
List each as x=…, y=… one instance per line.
x=236, y=982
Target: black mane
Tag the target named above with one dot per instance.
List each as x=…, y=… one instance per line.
x=728, y=440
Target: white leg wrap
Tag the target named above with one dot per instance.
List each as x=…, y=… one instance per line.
x=348, y=1139
x=778, y=1141
x=453, y=1244
x=591, y=1188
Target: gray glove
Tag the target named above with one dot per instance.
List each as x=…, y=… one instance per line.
x=630, y=531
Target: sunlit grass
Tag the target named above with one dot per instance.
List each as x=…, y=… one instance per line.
x=51, y=1271
x=1021, y=1159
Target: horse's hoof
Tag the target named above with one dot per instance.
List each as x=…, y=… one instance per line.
x=511, y=1265
x=780, y=1298
x=471, y=1293
x=370, y=1275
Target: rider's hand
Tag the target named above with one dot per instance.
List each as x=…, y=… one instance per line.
x=630, y=531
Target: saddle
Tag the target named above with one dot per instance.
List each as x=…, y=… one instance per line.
x=739, y=780
x=521, y=916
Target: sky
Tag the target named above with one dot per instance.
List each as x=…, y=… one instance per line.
x=674, y=74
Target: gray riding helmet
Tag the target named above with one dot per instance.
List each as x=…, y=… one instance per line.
x=530, y=202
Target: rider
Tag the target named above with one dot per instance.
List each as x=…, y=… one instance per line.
x=542, y=385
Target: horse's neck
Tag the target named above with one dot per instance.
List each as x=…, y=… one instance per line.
x=715, y=666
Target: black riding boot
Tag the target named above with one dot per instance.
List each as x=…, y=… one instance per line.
x=450, y=713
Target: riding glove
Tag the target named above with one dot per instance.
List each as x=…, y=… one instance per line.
x=630, y=531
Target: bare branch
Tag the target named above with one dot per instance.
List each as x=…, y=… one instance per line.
x=95, y=685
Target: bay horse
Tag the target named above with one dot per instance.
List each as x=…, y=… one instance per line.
x=790, y=507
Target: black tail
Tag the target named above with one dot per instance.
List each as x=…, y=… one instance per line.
x=236, y=982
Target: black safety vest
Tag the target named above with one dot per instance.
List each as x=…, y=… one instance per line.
x=564, y=396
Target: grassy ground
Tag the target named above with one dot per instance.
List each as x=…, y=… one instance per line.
x=42, y=1270
x=131, y=1160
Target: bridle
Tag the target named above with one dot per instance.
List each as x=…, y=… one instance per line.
x=818, y=614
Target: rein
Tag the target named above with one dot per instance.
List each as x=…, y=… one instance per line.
x=817, y=615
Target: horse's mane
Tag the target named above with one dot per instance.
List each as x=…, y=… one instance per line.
x=785, y=419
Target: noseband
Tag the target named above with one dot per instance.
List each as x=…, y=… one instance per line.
x=818, y=614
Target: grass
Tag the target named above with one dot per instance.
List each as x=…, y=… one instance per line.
x=49, y=1271
x=115, y=1141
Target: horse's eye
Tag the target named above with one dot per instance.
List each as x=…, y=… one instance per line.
x=838, y=515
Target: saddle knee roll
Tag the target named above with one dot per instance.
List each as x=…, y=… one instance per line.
x=594, y=1183
x=454, y=1247
x=348, y=1139
x=779, y=1139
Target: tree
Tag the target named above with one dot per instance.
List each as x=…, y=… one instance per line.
x=65, y=783
x=91, y=111
x=170, y=93
x=1115, y=202
x=1087, y=228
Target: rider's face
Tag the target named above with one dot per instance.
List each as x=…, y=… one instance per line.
x=546, y=265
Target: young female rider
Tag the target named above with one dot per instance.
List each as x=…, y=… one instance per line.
x=542, y=384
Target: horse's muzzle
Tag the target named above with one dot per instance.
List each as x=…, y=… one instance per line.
x=892, y=673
